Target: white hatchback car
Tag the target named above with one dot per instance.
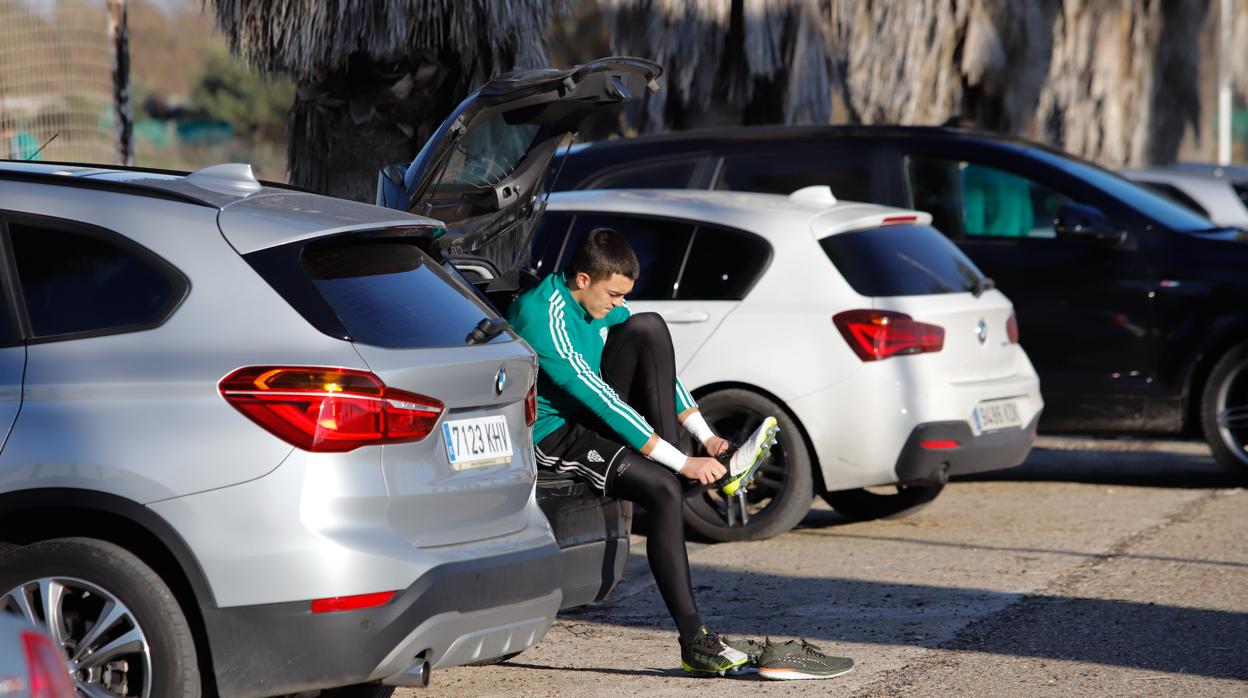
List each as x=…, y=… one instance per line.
x=887, y=356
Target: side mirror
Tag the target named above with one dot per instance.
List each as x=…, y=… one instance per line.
x=391, y=192
x=1082, y=222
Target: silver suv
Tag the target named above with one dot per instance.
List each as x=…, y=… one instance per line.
x=256, y=441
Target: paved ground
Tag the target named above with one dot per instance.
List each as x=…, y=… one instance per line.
x=1098, y=568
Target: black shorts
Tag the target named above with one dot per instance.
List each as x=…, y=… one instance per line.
x=573, y=449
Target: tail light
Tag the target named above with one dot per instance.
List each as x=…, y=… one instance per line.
x=329, y=409
x=879, y=334
x=46, y=667
x=1011, y=328
x=530, y=405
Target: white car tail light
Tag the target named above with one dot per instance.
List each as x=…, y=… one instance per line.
x=879, y=334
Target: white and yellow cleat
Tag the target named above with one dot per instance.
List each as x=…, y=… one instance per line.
x=743, y=463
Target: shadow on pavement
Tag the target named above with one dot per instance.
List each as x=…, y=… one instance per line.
x=1117, y=464
x=835, y=612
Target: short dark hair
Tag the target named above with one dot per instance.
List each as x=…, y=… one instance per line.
x=604, y=252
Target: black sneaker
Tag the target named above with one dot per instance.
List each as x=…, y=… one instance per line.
x=749, y=647
x=708, y=654
x=787, y=661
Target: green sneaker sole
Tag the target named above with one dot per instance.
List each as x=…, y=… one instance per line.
x=771, y=428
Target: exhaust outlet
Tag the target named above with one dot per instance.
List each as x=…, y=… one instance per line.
x=416, y=676
x=422, y=674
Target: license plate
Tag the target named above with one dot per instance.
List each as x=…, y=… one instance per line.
x=997, y=414
x=476, y=443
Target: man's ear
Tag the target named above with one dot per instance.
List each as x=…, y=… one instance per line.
x=582, y=281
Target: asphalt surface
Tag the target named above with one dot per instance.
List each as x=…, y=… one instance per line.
x=1096, y=568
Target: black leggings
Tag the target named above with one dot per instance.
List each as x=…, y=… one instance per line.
x=639, y=362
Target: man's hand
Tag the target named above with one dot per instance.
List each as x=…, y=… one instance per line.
x=716, y=445
x=705, y=470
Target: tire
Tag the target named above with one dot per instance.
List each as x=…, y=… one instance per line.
x=1224, y=410
x=864, y=505
x=780, y=495
x=97, y=580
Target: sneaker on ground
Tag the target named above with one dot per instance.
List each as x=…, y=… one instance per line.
x=709, y=654
x=744, y=461
x=787, y=661
x=751, y=648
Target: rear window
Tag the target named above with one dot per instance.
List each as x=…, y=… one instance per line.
x=389, y=293
x=669, y=174
x=901, y=260
x=376, y=289
x=847, y=173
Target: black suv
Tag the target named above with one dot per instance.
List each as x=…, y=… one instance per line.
x=1133, y=309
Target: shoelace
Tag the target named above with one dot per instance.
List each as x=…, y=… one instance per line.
x=806, y=647
x=809, y=648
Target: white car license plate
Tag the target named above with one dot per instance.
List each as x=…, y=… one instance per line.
x=997, y=414
x=475, y=443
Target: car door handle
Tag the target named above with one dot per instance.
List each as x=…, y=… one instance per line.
x=685, y=316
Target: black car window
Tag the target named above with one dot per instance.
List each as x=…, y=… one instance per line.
x=1241, y=188
x=660, y=246
x=76, y=283
x=901, y=260
x=1147, y=203
x=388, y=293
x=848, y=173
x=548, y=242
x=1174, y=194
x=969, y=200
x=724, y=264
x=669, y=174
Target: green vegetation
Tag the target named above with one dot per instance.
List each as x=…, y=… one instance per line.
x=253, y=104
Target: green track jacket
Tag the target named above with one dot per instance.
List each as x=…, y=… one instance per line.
x=568, y=342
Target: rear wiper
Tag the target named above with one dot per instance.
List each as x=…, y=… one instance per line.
x=982, y=283
x=487, y=329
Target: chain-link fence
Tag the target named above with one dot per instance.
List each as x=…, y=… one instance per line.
x=56, y=81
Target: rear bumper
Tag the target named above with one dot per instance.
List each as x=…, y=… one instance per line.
x=592, y=532
x=994, y=450
x=453, y=614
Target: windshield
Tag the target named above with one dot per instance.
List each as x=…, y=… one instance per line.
x=1150, y=204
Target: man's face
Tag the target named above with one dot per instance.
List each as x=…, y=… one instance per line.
x=599, y=297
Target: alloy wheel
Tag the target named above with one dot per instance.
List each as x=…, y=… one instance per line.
x=107, y=650
x=1231, y=411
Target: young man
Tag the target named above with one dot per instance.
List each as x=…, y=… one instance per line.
x=610, y=409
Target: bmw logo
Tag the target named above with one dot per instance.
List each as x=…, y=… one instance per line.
x=981, y=331
x=500, y=380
